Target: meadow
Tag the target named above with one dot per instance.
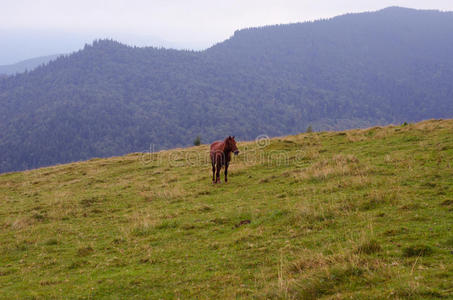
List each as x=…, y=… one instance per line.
x=362, y=214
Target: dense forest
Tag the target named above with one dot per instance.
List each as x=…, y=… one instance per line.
x=355, y=70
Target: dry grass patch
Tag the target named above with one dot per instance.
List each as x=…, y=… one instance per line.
x=356, y=136
x=315, y=275
x=431, y=125
x=382, y=133
x=369, y=247
x=338, y=165
x=315, y=213
x=166, y=192
x=141, y=218
x=21, y=222
x=377, y=197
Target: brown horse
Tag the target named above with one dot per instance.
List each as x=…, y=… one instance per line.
x=221, y=155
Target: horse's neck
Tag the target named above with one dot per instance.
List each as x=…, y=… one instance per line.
x=226, y=149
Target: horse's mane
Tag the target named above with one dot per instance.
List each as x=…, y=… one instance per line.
x=227, y=142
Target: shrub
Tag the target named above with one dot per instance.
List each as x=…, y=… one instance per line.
x=197, y=141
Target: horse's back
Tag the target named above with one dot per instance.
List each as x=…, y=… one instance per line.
x=216, y=146
x=216, y=149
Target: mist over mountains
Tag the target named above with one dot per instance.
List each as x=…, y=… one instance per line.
x=356, y=70
x=26, y=65
x=28, y=44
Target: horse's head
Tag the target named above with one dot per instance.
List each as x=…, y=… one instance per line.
x=230, y=143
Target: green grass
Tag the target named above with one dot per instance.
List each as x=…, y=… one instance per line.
x=362, y=214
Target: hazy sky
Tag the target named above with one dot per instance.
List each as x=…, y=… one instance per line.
x=184, y=23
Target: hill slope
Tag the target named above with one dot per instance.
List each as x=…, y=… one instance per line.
x=108, y=99
x=362, y=214
x=25, y=65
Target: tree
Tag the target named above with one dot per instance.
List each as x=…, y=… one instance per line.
x=197, y=141
x=309, y=129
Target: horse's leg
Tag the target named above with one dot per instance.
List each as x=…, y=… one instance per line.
x=219, y=166
x=213, y=169
x=226, y=171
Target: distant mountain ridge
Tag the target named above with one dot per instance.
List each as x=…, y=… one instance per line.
x=26, y=65
x=355, y=70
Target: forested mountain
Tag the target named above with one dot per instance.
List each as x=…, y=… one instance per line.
x=26, y=65
x=355, y=70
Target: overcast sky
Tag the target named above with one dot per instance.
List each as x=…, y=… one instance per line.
x=184, y=23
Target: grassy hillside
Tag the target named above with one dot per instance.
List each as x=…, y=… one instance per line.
x=362, y=213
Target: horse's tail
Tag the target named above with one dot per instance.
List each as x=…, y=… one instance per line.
x=212, y=155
